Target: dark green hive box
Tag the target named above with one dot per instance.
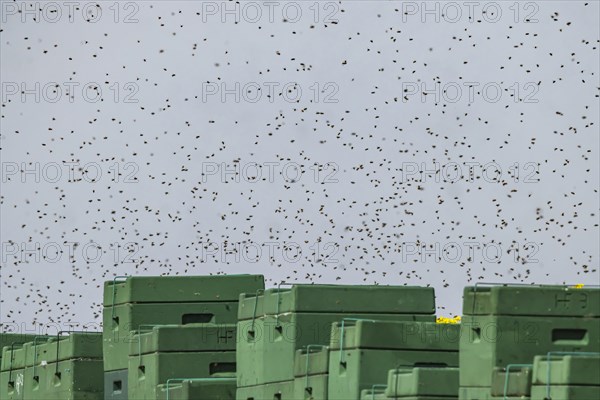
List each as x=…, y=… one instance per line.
x=177, y=352
x=340, y=299
x=517, y=384
x=422, y=382
x=566, y=392
x=277, y=322
x=369, y=349
x=395, y=335
x=567, y=369
x=180, y=289
x=547, y=301
x=269, y=391
x=139, y=301
x=506, y=325
x=196, y=389
x=66, y=367
x=566, y=376
x=311, y=372
x=12, y=376
x=194, y=337
x=268, y=355
x=8, y=338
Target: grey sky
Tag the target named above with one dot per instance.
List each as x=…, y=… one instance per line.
x=177, y=83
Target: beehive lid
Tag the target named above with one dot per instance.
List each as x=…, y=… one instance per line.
x=395, y=335
x=344, y=299
x=179, y=338
x=165, y=289
x=532, y=300
x=316, y=359
x=72, y=346
x=434, y=382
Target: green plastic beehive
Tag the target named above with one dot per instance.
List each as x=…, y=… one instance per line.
x=268, y=355
x=150, y=370
x=565, y=392
x=16, y=356
x=251, y=305
x=548, y=301
x=422, y=382
x=313, y=389
x=276, y=391
x=196, y=389
x=374, y=393
x=73, y=379
x=490, y=342
x=483, y=393
x=516, y=384
x=311, y=371
x=179, y=338
x=275, y=323
x=568, y=369
x=172, y=352
x=8, y=338
x=343, y=299
x=66, y=367
x=130, y=317
x=362, y=368
x=313, y=360
x=11, y=384
x=256, y=392
x=180, y=289
x=506, y=325
x=12, y=372
x=142, y=301
x=75, y=345
x=395, y=335
x=367, y=350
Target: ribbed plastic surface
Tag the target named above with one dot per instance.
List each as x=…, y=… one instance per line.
x=179, y=289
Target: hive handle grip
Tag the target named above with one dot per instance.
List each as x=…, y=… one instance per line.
x=562, y=353
x=174, y=380
x=58, y=335
x=279, y=301
x=507, y=376
x=114, y=295
x=12, y=357
x=254, y=311
x=342, y=334
x=311, y=346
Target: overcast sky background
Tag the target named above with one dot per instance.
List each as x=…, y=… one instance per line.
x=140, y=92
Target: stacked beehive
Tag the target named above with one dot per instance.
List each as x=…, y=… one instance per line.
x=64, y=367
x=274, y=324
x=505, y=327
x=11, y=338
x=420, y=383
x=134, y=304
x=363, y=352
x=174, y=338
x=173, y=353
x=197, y=389
x=566, y=376
x=311, y=372
x=12, y=371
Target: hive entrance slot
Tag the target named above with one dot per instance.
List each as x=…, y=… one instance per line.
x=569, y=336
x=196, y=318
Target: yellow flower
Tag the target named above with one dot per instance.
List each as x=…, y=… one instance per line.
x=578, y=286
x=446, y=320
